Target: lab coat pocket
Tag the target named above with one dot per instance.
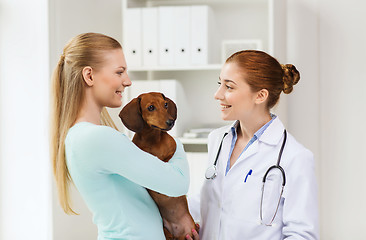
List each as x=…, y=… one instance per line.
x=245, y=221
x=246, y=199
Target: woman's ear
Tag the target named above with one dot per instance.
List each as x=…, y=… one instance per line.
x=87, y=76
x=262, y=96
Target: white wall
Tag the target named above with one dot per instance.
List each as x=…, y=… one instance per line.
x=303, y=52
x=69, y=18
x=303, y=102
x=25, y=207
x=327, y=40
x=342, y=38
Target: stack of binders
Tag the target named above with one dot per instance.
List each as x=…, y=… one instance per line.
x=167, y=36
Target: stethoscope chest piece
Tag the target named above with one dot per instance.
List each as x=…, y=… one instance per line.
x=211, y=172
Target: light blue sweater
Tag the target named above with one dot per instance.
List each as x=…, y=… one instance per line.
x=111, y=174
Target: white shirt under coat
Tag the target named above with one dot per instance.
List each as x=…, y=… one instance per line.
x=230, y=207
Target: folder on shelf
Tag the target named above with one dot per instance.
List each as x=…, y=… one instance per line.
x=132, y=45
x=149, y=37
x=182, y=50
x=200, y=26
x=166, y=36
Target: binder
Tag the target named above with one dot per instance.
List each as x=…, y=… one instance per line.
x=150, y=37
x=132, y=45
x=182, y=50
x=200, y=26
x=166, y=36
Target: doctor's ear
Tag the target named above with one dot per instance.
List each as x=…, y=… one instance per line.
x=87, y=76
x=262, y=96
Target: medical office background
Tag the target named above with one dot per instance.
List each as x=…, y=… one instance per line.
x=325, y=39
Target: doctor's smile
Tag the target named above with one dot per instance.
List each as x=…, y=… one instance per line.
x=224, y=107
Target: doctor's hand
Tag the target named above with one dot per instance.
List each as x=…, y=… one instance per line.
x=195, y=234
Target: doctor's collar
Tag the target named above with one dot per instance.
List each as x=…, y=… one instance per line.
x=236, y=123
x=258, y=133
x=234, y=126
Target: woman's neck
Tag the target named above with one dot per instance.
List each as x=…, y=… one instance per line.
x=248, y=127
x=89, y=112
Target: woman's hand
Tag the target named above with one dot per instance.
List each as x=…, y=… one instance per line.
x=195, y=234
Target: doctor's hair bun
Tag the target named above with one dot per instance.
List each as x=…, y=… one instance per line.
x=290, y=77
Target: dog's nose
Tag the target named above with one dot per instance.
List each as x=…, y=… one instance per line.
x=170, y=122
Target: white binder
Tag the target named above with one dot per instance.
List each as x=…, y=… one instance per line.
x=182, y=50
x=166, y=36
x=132, y=45
x=200, y=26
x=149, y=37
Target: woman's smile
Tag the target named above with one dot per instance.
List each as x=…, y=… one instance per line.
x=224, y=107
x=119, y=93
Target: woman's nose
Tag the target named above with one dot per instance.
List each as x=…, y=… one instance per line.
x=218, y=94
x=126, y=81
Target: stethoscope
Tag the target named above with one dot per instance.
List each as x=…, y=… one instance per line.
x=211, y=173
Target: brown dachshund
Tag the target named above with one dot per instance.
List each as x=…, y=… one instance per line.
x=150, y=116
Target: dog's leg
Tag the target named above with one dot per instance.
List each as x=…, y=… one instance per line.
x=168, y=235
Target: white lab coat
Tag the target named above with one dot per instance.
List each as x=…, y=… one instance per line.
x=230, y=207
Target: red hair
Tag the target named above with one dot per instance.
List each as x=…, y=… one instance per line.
x=263, y=71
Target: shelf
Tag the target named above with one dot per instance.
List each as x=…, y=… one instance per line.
x=192, y=2
x=176, y=68
x=265, y=20
x=193, y=140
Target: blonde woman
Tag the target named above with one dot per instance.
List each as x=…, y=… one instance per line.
x=108, y=170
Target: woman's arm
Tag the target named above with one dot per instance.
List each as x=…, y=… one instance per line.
x=300, y=210
x=113, y=153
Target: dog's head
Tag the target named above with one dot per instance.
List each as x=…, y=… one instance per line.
x=153, y=108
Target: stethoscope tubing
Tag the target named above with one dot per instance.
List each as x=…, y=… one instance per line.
x=278, y=162
x=211, y=172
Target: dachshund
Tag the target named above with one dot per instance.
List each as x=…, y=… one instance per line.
x=150, y=116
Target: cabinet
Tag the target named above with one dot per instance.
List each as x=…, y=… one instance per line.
x=232, y=20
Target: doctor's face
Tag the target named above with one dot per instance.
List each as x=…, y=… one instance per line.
x=236, y=98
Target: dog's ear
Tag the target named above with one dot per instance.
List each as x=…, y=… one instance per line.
x=131, y=115
x=172, y=108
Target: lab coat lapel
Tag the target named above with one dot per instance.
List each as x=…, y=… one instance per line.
x=272, y=135
x=252, y=149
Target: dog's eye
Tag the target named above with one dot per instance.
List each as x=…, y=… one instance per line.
x=166, y=105
x=151, y=108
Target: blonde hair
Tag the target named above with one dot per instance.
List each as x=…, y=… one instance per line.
x=67, y=95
